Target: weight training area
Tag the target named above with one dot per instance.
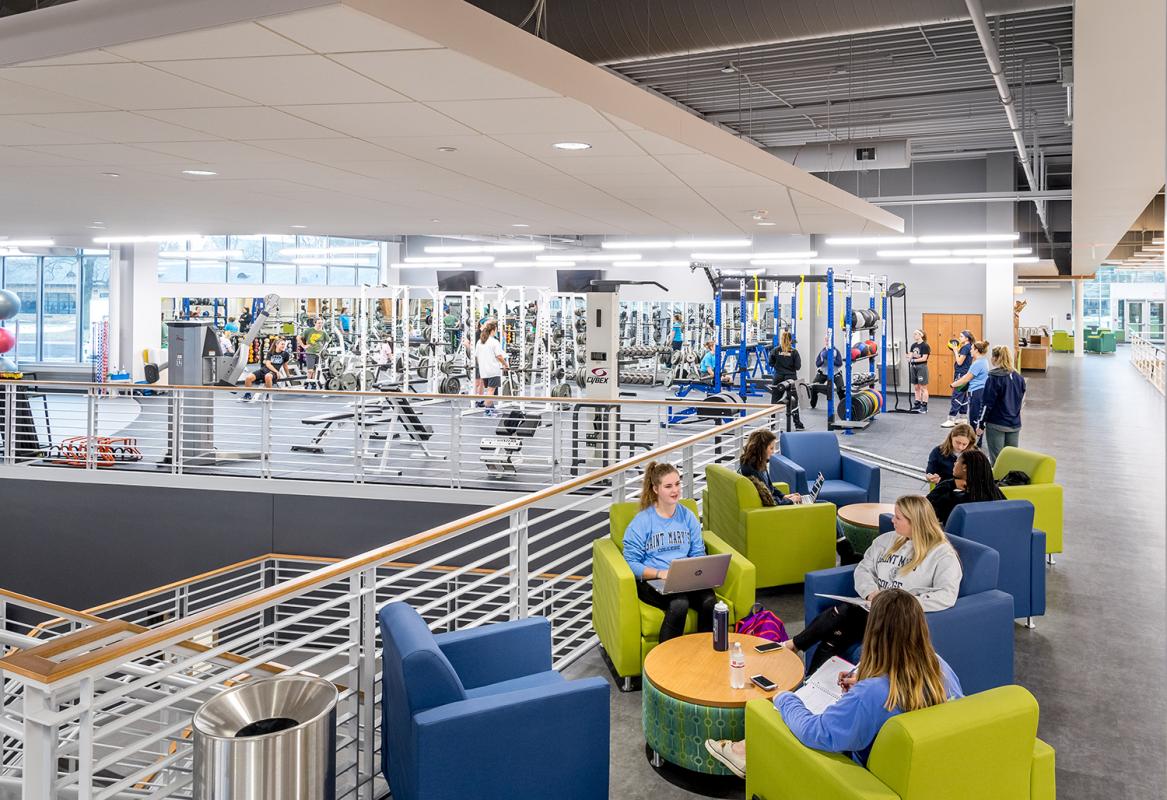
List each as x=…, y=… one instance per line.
x=482, y=399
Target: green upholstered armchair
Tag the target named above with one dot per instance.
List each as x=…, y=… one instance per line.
x=1045, y=495
x=1062, y=342
x=783, y=542
x=981, y=746
x=628, y=628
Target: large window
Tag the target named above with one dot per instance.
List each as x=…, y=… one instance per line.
x=61, y=297
x=274, y=259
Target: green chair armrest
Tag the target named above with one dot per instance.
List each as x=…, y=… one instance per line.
x=1048, y=509
x=779, y=767
x=615, y=606
x=1042, y=784
x=738, y=591
x=783, y=487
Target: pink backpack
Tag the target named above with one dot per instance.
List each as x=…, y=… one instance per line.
x=763, y=623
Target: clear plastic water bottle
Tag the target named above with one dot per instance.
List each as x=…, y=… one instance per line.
x=737, y=667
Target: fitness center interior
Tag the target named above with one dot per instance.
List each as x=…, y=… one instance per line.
x=356, y=357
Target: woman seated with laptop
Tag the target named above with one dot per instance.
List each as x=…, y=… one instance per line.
x=915, y=557
x=661, y=533
x=755, y=465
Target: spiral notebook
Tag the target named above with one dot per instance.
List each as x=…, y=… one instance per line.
x=822, y=690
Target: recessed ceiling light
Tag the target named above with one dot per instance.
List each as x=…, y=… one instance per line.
x=571, y=146
x=519, y=225
x=447, y=149
x=435, y=219
x=111, y=174
x=199, y=172
x=765, y=224
x=298, y=226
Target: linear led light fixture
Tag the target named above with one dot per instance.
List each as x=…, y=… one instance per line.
x=941, y=261
x=592, y=257
x=432, y=264
x=651, y=264
x=437, y=259
x=969, y=237
x=748, y=256
x=138, y=239
x=202, y=254
x=1020, y=260
x=26, y=242
x=534, y=264
x=994, y=251
x=876, y=240
x=329, y=251
x=458, y=249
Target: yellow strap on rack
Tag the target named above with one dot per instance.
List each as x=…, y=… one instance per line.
x=755, y=298
x=818, y=299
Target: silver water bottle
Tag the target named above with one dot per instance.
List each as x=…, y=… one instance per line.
x=721, y=626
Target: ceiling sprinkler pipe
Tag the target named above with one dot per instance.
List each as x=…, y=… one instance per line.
x=977, y=12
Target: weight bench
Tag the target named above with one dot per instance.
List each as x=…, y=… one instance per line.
x=503, y=452
x=327, y=421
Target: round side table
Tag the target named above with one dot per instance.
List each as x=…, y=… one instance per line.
x=861, y=523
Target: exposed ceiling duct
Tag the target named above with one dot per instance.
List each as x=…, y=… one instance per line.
x=614, y=31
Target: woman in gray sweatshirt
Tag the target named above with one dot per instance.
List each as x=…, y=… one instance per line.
x=915, y=557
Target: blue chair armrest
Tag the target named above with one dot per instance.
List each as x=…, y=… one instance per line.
x=499, y=652
x=975, y=637
x=863, y=475
x=837, y=580
x=524, y=742
x=1037, y=567
x=885, y=524
x=783, y=470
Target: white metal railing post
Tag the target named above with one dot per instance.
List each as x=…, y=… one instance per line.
x=264, y=435
x=520, y=585
x=9, y=390
x=687, y=476
x=355, y=637
x=556, y=442
x=366, y=681
x=85, y=741
x=455, y=444
x=176, y=456
x=90, y=427
x=620, y=487
x=358, y=440
x=40, y=745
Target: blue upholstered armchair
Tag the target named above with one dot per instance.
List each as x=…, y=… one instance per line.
x=975, y=636
x=480, y=713
x=804, y=455
x=1007, y=527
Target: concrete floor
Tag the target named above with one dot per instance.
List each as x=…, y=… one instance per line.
x=1095, y=662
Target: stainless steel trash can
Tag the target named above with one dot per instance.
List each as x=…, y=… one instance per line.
x=270, y=739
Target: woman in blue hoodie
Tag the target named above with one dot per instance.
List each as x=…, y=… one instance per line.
x=1001, y=399
x=662, y=532
x=899, y=672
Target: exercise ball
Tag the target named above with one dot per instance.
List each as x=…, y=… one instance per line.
x=9, y=304
x=7, y=340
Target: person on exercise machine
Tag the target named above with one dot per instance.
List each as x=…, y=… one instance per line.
x=708, y=365
x=828, y=358
x=786, y=362
x=273, y=369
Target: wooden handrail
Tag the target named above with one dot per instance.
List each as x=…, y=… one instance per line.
x=155, y=638
x=383, y=395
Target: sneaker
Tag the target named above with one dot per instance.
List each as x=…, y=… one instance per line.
x=722, y=751
x=247, y=397
x=948, y=423
x=798, y=426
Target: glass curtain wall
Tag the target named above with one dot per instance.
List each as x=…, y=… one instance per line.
x=60, y=299
x=1110, y=301
x=272, y=259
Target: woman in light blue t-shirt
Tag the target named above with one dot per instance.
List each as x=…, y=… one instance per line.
x=662, y=532
x=978, y=373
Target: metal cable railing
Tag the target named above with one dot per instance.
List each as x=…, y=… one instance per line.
x=1150, y=360
x=105, y=707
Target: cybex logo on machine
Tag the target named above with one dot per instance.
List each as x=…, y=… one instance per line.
x=599, y=375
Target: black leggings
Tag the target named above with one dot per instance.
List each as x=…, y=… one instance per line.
x=823, y=387
x=676, y=607
x=785, y=391
x=834, y=631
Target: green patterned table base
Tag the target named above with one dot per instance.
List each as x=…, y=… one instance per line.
x=859, y=537
x=677, y=730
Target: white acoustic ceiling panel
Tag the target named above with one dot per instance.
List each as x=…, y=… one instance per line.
x=362, y=117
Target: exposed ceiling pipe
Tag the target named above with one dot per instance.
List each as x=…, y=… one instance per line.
x=977, y=12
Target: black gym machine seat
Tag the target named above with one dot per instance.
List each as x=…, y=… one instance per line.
x=503, y=452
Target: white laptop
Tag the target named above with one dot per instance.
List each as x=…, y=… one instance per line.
x=815, y=489
x=694, y=574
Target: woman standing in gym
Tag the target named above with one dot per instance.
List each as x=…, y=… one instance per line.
x=899, y=672
x=786, y=362
x=974, y=379
x=962, y=350
x=1000, y=419
x=678, y=333
x=918, y=355
x=491, y=360
x=915, y=557
x=662, y=532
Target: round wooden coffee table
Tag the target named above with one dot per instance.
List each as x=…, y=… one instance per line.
x=861, y=523
x=687, y=697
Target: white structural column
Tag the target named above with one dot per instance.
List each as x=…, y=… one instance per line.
x=135, y=306
x=999, y=277
x=1079, y=319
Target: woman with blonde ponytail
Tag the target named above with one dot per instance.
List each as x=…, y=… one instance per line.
x=899, y=672
x=662, y=532
x=915, y=557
